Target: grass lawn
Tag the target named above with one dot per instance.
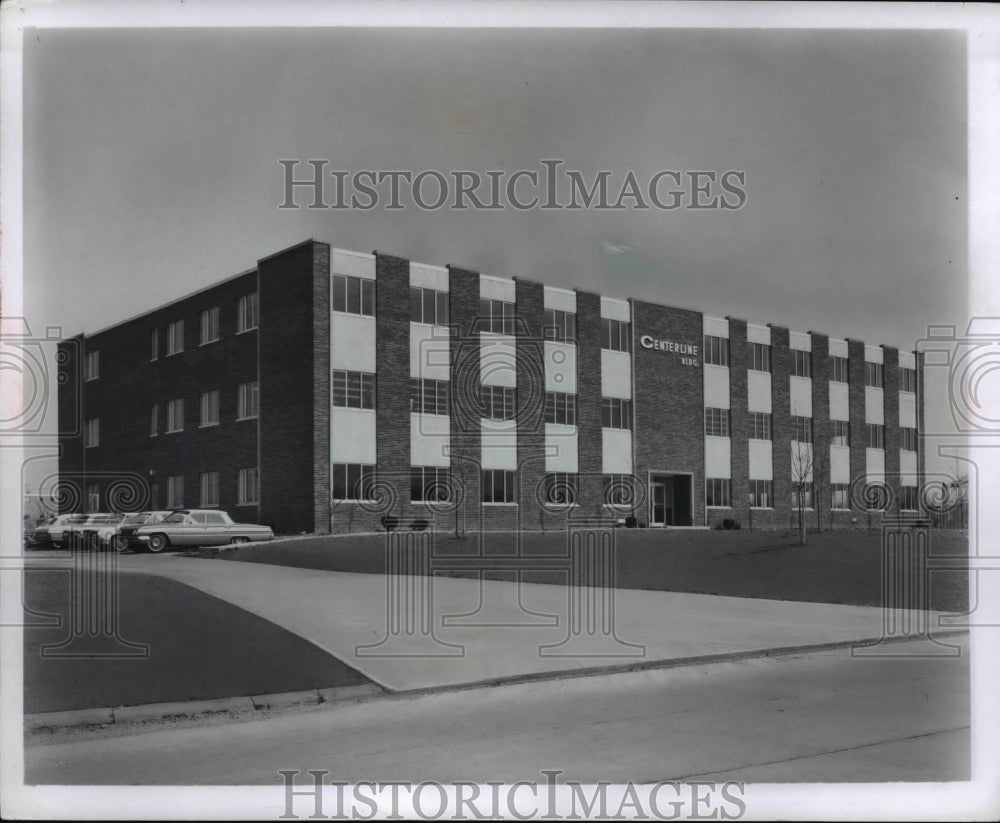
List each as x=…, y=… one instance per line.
x=833, y=567
x=199, y=647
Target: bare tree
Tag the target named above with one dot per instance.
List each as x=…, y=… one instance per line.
x=821, y=476
x=802, y=477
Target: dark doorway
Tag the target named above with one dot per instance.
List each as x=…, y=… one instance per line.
x=670, y=500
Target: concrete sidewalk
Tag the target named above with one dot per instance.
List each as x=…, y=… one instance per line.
x=408, y=633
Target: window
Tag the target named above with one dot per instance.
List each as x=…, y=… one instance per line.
x=907, y=381
x=353, y=295
x=246, y=313
x=839, y=496
x=247, y=401
x=559, y=325
x=761, y=494
x=760, y=357
x=838, y=366
x=802, y=429
x=873, y=375
x=428, y=306
x=560, y=408
x=717, y=422
x=92, y=433
x=353, y=481
x=559, y=489
x=908, y=439
x=760, y=425
x=175, y=415
x=352, y=389
x=616, y=413
x=93, y=497
x=802, y=495
x=428, y=396
x=717, y=492
x=154, y=345
x=154, y=420
x=175, y=491
x=841, y=433
x=210, y=408
x=210, y=325
x=499, y=486
x=801, y=363
x=616, y=335
x=91, y=366
x=429, y=484
x=209, y=483
x=248, y=487
x=498, y=402
x=716, y=350
x=618, y=490
x=496, y=316
x=876, y=497
x=175, y=337
x=908, y=498
x=876, y=435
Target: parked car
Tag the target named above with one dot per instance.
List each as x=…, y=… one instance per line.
x=126, y=537
x=103, y=528
x=41, y=535
x=199, y=527
x=65, y=525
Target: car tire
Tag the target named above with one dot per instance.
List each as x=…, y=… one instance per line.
x=239, y=541
x=157, y=543
x=119, y=543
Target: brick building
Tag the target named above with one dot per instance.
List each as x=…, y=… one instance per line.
x=326, y=389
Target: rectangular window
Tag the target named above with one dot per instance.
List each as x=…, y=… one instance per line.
x=154, y=345
x=496, y=316
x=248, y=486
x=717, y=492
x=838, y=369
x=716, y=350
x=210, y=325
x=246, y=313
x=841, y=433
x=560, y=489
x=616, y=413
x=175, y=337
x=154, y=420
x=761, y=494
x=92, y=366
x=428, y=396
x=247, y=401
x=93, y=497
x=760, y=425
x=210, y=408
x=353, y=389
x=175, y=491
x=560, y=408
x=618, y=490
x=559, y=325
x=802, y=429
x=876, y=435
x=209, y=482
x=908, y=439
x=839, y=498
x=801, y=363
x=802, y=495
x=428, y=306
x=175, y=415
x=430, y=484
x=717, y=422
x=759, y=357
x=907, y=381
x=908, y=499
x=92, y=433
x=499, y=402
x=352, y=481
x=873, y=375
x=616, y=335
x=353, y=295
x=499, y=486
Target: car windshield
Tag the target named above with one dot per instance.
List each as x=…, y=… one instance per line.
x=176, y=517
x=79, y=518
x=136, y=518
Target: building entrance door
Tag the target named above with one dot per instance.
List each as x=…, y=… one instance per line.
x=670, y=500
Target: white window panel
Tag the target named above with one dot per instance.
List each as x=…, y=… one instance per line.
x=802, y=462
x=560, y=367
x=616, y=374
x=840, y=405
x=498, y=360
x=800, y=396
x=499, y=449
x=561, y=448
x=908, y=468
x=874, y=405
x=759, y=392
x=907, y=360
x=561, y=299
x=352, y=263
x=352, y=436
x=715, y=326
x=352, y=342
x=717, y=457
x=800, y=340
x=873, y=354
x=840, y=464
x=758, y=334
x=874, y=464
x=761, y=467
x=837, y=348
x=616, y=451
x=907, y=410
x=430, y=352
x=497, y=288
x=428, y=277
x=716, y=380
x=430, y=440
x=614, y=309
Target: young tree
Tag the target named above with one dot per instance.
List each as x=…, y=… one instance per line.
x=820, y=476
x=802, y=478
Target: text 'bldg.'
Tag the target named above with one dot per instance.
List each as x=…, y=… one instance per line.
x=325, y=389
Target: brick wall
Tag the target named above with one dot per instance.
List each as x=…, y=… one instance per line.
x=72, y=462
x=856, y=413
x=588, y=409
x=739, y=421
x=530, y=399
x=321, y=387
x=890, y=396
x=822, y=428
x=781, y=445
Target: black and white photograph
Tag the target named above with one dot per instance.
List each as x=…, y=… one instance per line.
x=463, y=411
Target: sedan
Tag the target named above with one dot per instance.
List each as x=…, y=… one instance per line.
x=126, y=537
x=199, y=527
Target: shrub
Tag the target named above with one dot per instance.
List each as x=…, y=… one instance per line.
x=631, y=522
x=729, y=523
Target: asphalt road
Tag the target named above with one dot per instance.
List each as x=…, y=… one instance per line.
x=814, y=717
